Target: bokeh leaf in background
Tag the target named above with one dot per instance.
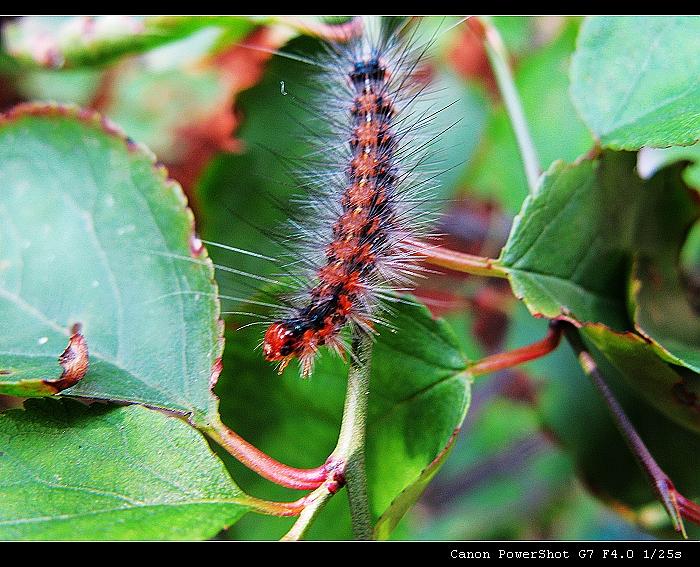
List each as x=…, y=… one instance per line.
x=76, y=41
x=156, y=106
x=497, y=463
x=634, y=80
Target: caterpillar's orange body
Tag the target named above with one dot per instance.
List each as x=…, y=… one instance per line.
x=364, y=239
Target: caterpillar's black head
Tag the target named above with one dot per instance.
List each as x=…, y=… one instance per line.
x=371, y=69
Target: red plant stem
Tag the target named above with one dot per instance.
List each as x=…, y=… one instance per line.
x=460, y=262
x=520, y=355
x=677, y=505
x=264, y=465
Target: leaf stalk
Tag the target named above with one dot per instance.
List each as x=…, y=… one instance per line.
x=461, y=262
x=262, y=463
x=504, y=360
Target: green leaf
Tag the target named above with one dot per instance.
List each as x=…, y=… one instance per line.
x=69, y=41
x=419, y=393
x=557, y=132
x=388, y=521
x=659, y=302
x=568, y=250
x=569, y=253
x=71, y=472
x=92, y=233
x=34, y=376
x=639, y=363
x=634, y=80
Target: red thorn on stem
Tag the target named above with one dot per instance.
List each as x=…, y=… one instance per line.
x=335, y=475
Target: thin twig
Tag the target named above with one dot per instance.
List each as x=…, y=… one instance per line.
x=313, y=504
x=498, y=56
x=675, y=503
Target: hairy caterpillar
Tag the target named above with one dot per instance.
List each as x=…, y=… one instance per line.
x=365, y=198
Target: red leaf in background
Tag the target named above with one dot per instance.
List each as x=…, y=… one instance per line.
x=241, y=67
x=469, y=58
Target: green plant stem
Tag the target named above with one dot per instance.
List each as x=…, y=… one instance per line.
x=347, y=462
x=271, y=508
x=498, y=57
x=350, y=449
x=313, y=505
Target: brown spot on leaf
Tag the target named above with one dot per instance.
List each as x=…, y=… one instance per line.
x=74, y=360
